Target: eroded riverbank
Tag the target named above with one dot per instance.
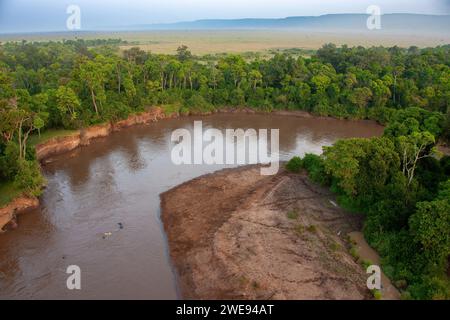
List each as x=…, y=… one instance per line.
x=118, y=179
x=83, y=137
x=236, y=234
x=60, y=145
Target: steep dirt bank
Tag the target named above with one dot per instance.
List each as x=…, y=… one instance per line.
x=84, y=137
x=246, y=110
x=238, y=235
x=59, y=145
x=17, y=206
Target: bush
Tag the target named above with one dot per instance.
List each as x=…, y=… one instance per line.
x=294, y=165
x=29, y=177
x=316, y=169
x=354, y=253
x=198, y=104
x=310, y=161
x=430, y=287
x=171, y=109
x=430, y=226
x=377, y=294
x=8, y=161
x=293, y=214
x=313, y=164
x=401, y=284
x=366, y=264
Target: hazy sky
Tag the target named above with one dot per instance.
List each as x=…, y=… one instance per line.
x=50, y=15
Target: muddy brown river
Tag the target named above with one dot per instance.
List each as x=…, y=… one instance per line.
x=115, y=180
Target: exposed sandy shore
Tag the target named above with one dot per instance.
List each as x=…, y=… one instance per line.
x=231, y=237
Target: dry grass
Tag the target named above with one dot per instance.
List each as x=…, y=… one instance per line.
x=239, y=41
x=209, y=42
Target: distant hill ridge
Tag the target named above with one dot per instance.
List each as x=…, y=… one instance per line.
x=330, y=22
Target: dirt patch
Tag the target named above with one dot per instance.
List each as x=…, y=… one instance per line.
x=238, y=235
x=444, y=148
x=367, y=253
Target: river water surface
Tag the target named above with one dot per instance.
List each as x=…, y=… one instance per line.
x=115, y=180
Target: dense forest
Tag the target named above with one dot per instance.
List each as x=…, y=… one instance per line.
x=399, y=181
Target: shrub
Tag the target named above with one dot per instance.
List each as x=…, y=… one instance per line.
x=354, y=253
x=171, y=109
x=315, y=166
x=299, y=229
x=198, y=104
x=430, y=226
x=29, y=177
x=401, y=284
x=366, y=264
x=334, y=246
x=293, y=214
x=377, y=294
x=294, y=165
x=8, y=161
x=431, y=287
x=406, y=295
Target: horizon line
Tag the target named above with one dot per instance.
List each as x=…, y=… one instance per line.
x=120, y=28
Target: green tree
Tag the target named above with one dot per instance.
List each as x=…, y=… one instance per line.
x=183, y=53
x=67, y=103
x=412, y=149
x=93, y=74
x=430, y=226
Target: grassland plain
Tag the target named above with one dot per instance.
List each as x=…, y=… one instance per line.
x=241, y=41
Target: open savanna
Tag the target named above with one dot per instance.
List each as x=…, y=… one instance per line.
x=240, y=41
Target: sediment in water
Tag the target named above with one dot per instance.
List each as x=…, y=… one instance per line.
x=59, y=145
x=18, y=206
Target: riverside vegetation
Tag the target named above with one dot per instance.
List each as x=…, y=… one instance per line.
x=399, y=180
x=403, y=189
